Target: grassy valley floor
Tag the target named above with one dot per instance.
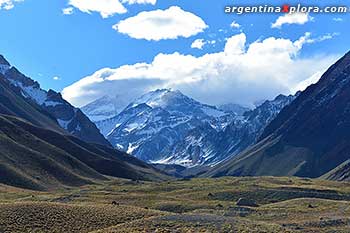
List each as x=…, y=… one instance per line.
x=197, y=205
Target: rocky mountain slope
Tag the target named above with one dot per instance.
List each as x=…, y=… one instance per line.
x=309, y=138
x=69, y=118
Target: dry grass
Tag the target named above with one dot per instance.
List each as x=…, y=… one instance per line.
x=198, y=205
x=55, y=217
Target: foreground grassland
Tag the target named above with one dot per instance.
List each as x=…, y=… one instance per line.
x=197, y=205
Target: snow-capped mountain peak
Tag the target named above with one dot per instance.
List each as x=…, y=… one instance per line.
x=176, y=102
x=104, y=108
x=157, y=120
x=157, y=98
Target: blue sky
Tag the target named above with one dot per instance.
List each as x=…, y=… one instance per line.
x=44, y=43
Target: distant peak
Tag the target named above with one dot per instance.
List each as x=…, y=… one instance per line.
x=3, y=61
x=280, y=97
x=160, y=98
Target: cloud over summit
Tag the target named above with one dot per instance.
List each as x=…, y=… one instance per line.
x=241, y=73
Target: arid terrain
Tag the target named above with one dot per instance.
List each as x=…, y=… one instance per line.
x=197, y=205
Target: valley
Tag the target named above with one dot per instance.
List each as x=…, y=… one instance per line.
x=198, y=205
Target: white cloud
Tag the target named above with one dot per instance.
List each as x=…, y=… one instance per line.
x=296, y=18
x=153, y=2
x=106, y=8
x=56, y=78
x=162, y=24
x=68, y=11
x=304, y=84
x=234, y=24
x=236, y=44
x=198, y=44
x=242, y=73
x=338, y=19
x=306, y=39
x=8, y=4
x=328, y=36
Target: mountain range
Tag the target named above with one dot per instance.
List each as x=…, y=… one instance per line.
x=168, y=127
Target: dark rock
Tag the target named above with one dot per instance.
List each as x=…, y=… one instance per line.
x=115, y=203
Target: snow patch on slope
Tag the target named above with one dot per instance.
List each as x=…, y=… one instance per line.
x=211, y=111
x=36, y=94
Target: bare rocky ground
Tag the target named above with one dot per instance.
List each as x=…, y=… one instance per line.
x=197, y=205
